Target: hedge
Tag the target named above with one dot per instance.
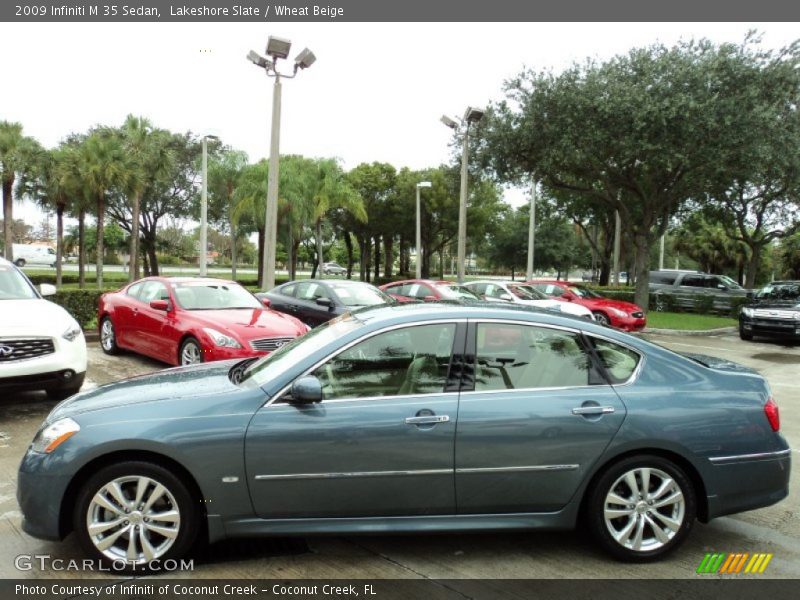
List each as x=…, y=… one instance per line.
x=81, y=304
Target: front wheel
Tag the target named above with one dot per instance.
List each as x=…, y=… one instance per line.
x=132, y=513
x=641, y=508
x=108, y=336
x=20, y=262
x=602, y=318
x=745, y=335
x=191, y=353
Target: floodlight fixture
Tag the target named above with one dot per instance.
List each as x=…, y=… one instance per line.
x=424, y=184
x=258, y=60
x=473, y=115
x=305, y=59
x=278, y=47
x=449, y=122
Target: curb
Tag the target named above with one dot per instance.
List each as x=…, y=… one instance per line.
x=691, y=332
x=91, y=336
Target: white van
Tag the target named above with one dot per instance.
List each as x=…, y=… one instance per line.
x=28, y=254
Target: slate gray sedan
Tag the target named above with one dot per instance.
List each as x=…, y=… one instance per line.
x=415, y=418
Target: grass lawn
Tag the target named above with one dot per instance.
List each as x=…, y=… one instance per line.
x=686, y=321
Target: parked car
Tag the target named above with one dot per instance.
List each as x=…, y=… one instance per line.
x=616, y=313
x=527, y=295
x=774, y=311
x=184, y=320
x=427, y=290
x=30, y=254
x=331, y=268
x=316, y=301
x=41, y=346
x=686, y=287
x=411, y=419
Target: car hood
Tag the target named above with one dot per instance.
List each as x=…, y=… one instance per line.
x=181, y=384
x=33, y=317
x=775, y=304
x=250, y=323
x=718, y=364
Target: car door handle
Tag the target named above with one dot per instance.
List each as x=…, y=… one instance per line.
x=593, y=410
x=427, y=419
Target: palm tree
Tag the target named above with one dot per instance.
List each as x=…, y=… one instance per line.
x=18, y=154
x=224, y=176
x=249, y=200
x=103, y=167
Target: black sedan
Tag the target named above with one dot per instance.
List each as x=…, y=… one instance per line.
x=316, y=301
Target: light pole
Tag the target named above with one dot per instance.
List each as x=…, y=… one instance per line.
x=421, y=184
x=277, y=48
x=471, y=115
x=531, y=229
x=204, y=209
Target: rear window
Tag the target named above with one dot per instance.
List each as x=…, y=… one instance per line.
x=665, y=278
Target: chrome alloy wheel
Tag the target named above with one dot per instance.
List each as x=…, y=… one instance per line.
x=190, y=354
x=133, y=519
x=107, y=335
x=644, y=509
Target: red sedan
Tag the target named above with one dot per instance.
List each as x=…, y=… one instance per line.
x=617, y=313
x=427, y=290
x=182, y=321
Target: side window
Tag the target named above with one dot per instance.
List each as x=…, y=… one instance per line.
x=510, y=356
x=153, y=290
x=553, y=290
x=408, y=361
x=310, y=291
x=619, y=362
x=424, y=291
x=134, y=290
x=693, y=281
x=288, y=290
x=478, y=288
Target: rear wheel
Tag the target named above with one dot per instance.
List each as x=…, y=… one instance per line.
x=108, y=336
x=20, y=262
x=601, y=318
x=133, y=513
x=641, y=508
x=191, y=353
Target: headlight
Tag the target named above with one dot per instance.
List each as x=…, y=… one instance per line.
x=72, y=332
x=616, y=311
x=55, y=434
x=747, y=312
x=222, y=340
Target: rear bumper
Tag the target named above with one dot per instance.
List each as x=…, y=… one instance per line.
x=747, y=482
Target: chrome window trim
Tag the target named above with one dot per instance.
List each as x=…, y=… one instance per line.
x=533, y=468
x=746, y=457
x=642, y=358
x=365, y=337
x=346, y=475
x=367, y=398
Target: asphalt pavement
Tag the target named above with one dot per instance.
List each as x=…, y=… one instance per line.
x=519, y=555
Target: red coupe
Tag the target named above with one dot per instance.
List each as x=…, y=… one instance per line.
x=427, y=290
x=617, y=313
x=182, y=321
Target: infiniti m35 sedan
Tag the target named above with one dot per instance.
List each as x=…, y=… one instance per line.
x=411, y=418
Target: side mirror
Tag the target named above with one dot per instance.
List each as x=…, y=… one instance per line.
x=306, y=390
x=160, y=305
x=723, y=287
x=430, y=298
x=47, y=289
x=506, y=297
x=265, y=301
x=327, y=302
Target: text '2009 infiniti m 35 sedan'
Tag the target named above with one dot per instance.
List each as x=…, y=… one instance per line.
x=411, y=418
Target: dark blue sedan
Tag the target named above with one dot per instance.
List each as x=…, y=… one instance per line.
x=411, y=418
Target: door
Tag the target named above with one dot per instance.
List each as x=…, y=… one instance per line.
x=379, y=444
x=308, y=310
x=124, y=306
x=534, y=420
x=150, y=325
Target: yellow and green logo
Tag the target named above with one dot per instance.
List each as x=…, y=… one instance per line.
x=734, y=563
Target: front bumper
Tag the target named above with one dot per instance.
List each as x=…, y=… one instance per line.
x=629, y=323
x=783, y=328
x=212, y=353
x=65, y=379
x=68, y=356
x=40, y=495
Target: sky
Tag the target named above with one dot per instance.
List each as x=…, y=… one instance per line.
x=375, y=93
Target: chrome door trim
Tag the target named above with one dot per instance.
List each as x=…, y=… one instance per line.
x=301, y=476
x=517, y=469
x=745, y=457
x=349, y=345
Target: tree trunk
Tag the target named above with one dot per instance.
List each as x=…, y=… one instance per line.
x=82, y=249
x=133, y=261
x=145, y=265
x=260, y=256
x=8, y=218
x=642, y=269
x=377, y=244
x=441, y=264
x=233, y=249
x=401, y=251
x=318, y=231
x=348, y=243
x=752, y=266
x=388, y=255
x=295, y=250
x=152, y=257
x=101, y=215
x=59, y=243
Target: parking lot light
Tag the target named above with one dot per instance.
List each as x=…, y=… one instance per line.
x=421, y=184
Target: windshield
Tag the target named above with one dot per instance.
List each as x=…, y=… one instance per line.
x=358, y=294
x=213, y=295
x=583, y=292
x=730, y=283
x=14, y=285
x=533, y=292
x=780, y=291
x=521, y=292
x=454, y=292
x=298, y=350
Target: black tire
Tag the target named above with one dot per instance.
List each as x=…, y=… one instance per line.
x=108, y=336
x=745, y=335
x=644, y=512
x=20, y=262
x=177, y=491
x=602, y=318
x=185, y=348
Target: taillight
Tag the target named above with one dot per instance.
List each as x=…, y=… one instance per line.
x=773, y=414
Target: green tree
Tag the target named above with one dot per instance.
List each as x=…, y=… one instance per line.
x=224, y=174
x=18, y=154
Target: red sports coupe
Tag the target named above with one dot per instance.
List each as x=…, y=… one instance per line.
x=427, y=290
x=182, y=321
x=617, y=313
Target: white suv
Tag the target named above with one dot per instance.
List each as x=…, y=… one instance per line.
x=41, y=345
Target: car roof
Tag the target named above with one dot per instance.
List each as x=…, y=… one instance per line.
x=185, y=279
x=5, y=262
